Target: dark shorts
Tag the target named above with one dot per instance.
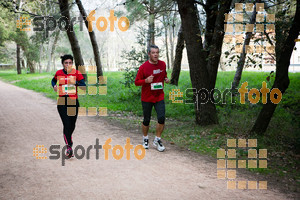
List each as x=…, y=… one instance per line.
x=159, y=108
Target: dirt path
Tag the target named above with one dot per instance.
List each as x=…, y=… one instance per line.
x=28, y=119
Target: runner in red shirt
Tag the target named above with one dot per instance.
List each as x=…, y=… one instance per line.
x=67, y=103
x=151, y=76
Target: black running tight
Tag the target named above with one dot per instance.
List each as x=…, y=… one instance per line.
x=68, y=115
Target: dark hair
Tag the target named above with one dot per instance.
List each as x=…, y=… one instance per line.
x=66, y=57
x=152, y=46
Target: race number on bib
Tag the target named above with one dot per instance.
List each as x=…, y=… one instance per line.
x=156, y=71
x=69, y=89
x=157, y=86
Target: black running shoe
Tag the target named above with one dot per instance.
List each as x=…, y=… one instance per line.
x=69, y=152
x=146, y=143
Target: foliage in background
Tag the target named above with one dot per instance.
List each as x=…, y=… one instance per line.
x=135, y=57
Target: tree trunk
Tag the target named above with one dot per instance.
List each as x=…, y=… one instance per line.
x=18, y=60
x=30, y=65
x=54, y=63
x=241, y=62
x=215, y=49
x=203, y=75
x=64, y=9
x=53, y=50
x=49, y=55
x=205, y=113
x=41, y=51
x=151, y=25
x=211, y=9
x=172, y=43
x=282, y=79
x=93, y=40
x=178, y=57
x=19, y=71
x=23, y=63
x=166, y=41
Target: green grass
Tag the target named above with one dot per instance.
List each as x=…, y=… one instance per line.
x=282, y=138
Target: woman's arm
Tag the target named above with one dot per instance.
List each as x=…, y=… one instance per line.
x=53, y=83
x=80, y=83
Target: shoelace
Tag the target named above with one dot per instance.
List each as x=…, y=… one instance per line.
x=69, y=150
x=159, y=142
x=146, y=141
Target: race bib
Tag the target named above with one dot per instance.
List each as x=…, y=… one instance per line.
x=157, y=86
x=69, y=89
x=157, y=71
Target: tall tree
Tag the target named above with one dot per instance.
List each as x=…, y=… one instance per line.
x=18, y=48
x=151, y=24
x=178, y=57
x=166, y=40
x=148, y=10
x=203, y=62
x=64, y=10
x=283, y=55
x=241, y=62
x=172, y=35
x=52, y=50
x=92, y=38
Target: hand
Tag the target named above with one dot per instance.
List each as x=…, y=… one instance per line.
x=72, y=80
x=55, y=88
x=149, y=79
x=167, y=80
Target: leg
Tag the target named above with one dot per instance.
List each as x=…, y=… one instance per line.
x=145, y=129
x=147, y=109
x=73, y=120
x=160, y=111
x=62, y=110
x=159, y=129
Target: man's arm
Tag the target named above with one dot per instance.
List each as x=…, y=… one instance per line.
x=139, y=79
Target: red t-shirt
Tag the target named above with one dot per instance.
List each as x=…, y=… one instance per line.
x=159, y=72
x=67, y=82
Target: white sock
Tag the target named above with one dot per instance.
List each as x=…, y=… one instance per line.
x=145, y=137
x=157, y=138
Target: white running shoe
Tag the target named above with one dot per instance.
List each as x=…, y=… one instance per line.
x=146, y=143
x=160, y=147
